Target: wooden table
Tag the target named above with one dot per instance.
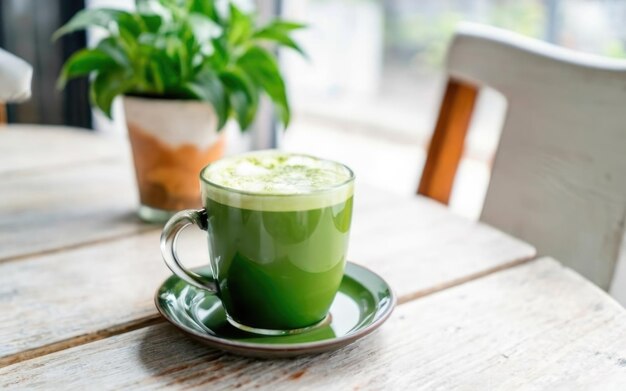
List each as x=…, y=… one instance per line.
x=78, y=272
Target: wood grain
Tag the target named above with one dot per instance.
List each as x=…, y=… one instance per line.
x=76, y=293
x=558, y=177
x=416, y=244
x=448, y=140
x=537, y=326
x=24, y=148
x=420, y=247
x=49, y=210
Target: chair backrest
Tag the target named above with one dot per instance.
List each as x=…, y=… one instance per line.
x=15, y=79
x=559, y=176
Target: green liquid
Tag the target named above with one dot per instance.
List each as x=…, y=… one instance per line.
x=278, y=269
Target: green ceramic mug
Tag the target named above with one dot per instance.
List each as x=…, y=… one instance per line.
x=278, y=227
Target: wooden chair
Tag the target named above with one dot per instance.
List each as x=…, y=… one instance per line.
x=559, y=175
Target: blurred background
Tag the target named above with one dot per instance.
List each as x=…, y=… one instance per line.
x=369, y=93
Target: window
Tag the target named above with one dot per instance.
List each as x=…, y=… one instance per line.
x=370, y=92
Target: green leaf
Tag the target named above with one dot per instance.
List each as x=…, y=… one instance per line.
x=166, y=69
x=151, y=12
x=204, y=29
x=172, y=45
x=279, y=31
x=152, y=22
x=282, y=25
x=281, y=38
x=220, y=55
x=173, y=6
x=128, y=22
x=144, y=6
x=106, y=86
x=103, y=17
x=185, y=60
x=240, y=27
x=156, y=41
x=84, y=62
x=243, y=96
x=157, y=78
x=111, y=47
x=263, y=70
x=208, y=87
x=205, y=7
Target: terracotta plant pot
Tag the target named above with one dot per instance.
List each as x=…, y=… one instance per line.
x=171, y=141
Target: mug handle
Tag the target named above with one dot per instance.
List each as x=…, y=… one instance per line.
x=169, y=237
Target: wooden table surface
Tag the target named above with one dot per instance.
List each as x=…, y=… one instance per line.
x=78, y=272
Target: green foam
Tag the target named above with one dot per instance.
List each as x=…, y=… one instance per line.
x=278, y=181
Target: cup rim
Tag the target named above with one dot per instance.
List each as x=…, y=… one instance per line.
x=256, y=194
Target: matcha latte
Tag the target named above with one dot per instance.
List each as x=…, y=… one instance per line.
x=278, y=227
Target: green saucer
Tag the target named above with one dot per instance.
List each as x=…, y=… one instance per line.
x=363, y=303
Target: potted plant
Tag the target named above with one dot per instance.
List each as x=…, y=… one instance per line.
x=184, y=67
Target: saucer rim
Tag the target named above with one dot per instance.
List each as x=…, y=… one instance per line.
x=303, y=347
